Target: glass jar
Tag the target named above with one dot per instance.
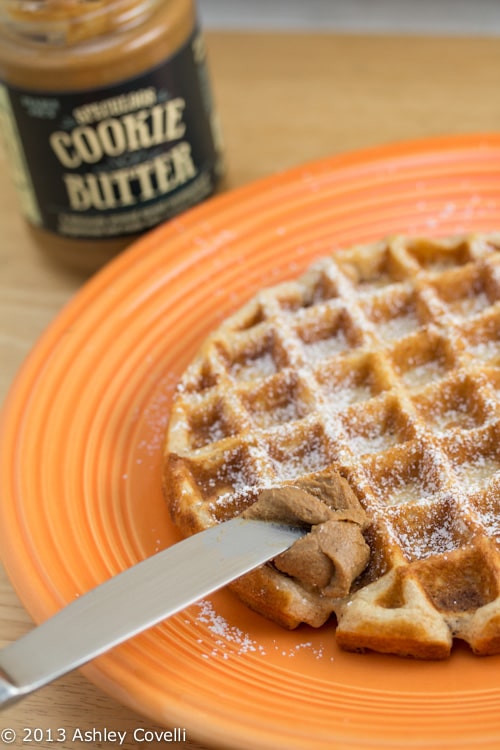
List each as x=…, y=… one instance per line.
x=107, y=117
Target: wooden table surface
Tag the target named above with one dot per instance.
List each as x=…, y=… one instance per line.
x=283, y=99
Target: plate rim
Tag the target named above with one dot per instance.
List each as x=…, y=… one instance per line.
x=99, y=673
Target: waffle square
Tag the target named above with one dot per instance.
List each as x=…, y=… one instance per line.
x=381, y=363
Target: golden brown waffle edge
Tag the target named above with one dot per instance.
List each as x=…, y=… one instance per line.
x=381, y=363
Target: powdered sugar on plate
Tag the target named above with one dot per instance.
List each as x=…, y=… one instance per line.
x=228, y=640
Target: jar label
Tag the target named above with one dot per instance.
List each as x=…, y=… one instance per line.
x=117, y=160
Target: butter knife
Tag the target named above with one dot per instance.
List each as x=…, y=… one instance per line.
x=137, y=599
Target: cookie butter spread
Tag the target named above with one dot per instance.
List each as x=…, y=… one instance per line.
x=334, y=553
x=107, y=117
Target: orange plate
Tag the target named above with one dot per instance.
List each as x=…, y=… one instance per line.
x=80, y=452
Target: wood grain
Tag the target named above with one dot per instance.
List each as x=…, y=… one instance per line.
x=283, y=99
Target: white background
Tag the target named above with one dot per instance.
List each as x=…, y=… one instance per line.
x=479, y=17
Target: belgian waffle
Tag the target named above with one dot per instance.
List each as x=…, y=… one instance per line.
x=381, y=363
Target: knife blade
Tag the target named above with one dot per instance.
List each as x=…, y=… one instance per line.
x=137, y=599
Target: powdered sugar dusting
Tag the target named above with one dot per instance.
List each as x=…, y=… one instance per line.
x=484, y=350
x=227, y=640
x=397, y=328
x=467, y=307
x=452, y=418
x=477, y=471
x=423, y=373
x=342, y=395
x=422, y=542
x=323, y=348
x=422, y=451
x=373, y=441
x=253, y=368
x=317, y=651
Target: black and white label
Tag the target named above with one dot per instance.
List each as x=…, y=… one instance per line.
x=116, y=160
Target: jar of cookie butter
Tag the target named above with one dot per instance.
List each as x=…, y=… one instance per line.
x=107, y=117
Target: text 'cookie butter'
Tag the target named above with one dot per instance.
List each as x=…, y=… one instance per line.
x=107, y=117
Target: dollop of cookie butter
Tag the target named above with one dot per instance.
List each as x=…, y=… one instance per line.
x=334, y=553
